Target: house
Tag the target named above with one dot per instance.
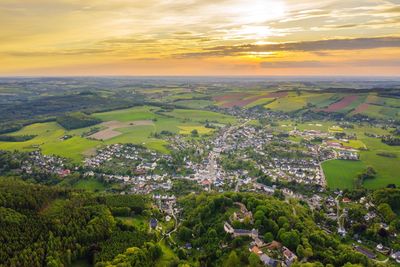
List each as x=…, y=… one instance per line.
x=153, y=223
x=382, y=249
x=289, y=256
x=396, y=256
x=346, y=200
x=64, y=173
x=255, y=249
x=365, y=251
x=268, y=261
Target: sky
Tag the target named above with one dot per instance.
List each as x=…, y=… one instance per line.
x=199, y=37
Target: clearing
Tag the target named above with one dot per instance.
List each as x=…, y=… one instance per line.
x=342, y=173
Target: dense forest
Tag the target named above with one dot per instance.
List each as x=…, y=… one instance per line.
x=51, y=226
x=76, y=120
x=54, y=226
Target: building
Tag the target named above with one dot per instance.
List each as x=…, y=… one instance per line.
x=289, y=256
x=153, y=223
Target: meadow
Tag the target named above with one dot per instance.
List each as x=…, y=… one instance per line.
x=342, y=173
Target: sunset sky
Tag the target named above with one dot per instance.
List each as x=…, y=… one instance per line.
x=200, y=37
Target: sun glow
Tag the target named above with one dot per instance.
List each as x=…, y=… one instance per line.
x=257, y=11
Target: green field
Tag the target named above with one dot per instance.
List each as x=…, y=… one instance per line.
x=89, y=185
x=293, y=102
x=167, y=257
x=132, y=114
x=196, y=104
x=341, y=173
x=49, y=140
x=200, y=129
x=140, y=222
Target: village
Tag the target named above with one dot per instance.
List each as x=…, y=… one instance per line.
x=277, y=155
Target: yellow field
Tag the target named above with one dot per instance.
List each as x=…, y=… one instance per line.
x=189, y=129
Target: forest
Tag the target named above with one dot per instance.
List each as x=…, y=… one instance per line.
x=52, y=226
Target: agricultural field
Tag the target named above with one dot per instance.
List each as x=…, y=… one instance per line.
x=246, y=99
x=49, y=139
x=194, y=104
x=341, y=173
x=200, y=129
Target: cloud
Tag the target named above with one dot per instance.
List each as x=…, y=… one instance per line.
x=292, y=64
x=306, y=46
x=320, y=64
x=71, y=52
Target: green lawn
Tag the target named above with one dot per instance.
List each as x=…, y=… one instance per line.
x=131, y=114
x=341, y=173
x=201, y=116
x=89, y=185
x=200, y=129
x=138, y=221
x=196, y=104
x=167, y=257
x=49, y=139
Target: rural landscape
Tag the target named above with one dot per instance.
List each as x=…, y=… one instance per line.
x=200, y=172
x=199, y=133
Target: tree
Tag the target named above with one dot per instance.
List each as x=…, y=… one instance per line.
x=233, y=260
x=268, y=237
x=185, y=234
x=195, y=133
x=290, y=239
x=387, y=212
x=254, y=260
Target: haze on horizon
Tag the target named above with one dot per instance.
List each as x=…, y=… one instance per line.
x=200, y=37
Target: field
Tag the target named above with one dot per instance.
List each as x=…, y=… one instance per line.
x=200, y=129
x=293, y=101
x=341, y=173
x=246, y=99
x=134, y=125
x=342, y=104
x=89, y=185
x=49, y=140
x=167, y=256
x=195, y=104
x=138, y=221
x=111, y=128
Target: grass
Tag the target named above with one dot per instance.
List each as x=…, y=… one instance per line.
x=259, y=102
x=341, y=173
x=376, y=111
x=335, y=129
x=294, y=102
x=131, y=114
x=356, y=144
x=194, y=104
x=167, y=257
x=189, y=129
x=89, y=185
x=139, y=221
x=201, y=116
x=49, y=140
x=288, y=104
